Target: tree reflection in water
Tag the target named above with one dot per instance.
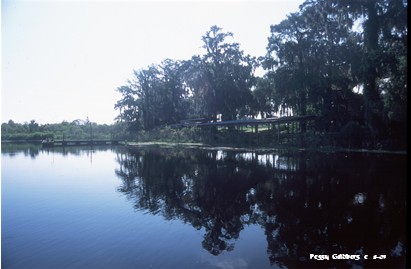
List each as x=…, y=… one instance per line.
x=306, y=202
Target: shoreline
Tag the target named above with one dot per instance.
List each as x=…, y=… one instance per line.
x=256, y=149
x=234, y=147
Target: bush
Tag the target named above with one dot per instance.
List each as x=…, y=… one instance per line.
x=37, y=136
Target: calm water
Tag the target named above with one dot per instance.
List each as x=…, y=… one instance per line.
x=189, y=208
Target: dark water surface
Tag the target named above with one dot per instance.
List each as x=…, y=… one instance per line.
x=189, y=208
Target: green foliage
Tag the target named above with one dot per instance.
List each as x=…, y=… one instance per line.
x=155, y=96
x=26, y=136
x=167, y=134
x=264, y=99
x=218, y=82
x=342, y=60
x=33, y=131
x=229, y=73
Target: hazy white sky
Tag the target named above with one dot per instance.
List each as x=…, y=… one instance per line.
x=63, y=60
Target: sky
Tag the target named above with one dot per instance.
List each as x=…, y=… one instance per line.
x=62, y=60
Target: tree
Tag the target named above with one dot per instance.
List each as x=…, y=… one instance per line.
x=222, y=77
x=383, y=64
x=173, y=104
x=128, y=108
x=265, y=102
x=310, y=54
x=154, y=97
x=202, y=101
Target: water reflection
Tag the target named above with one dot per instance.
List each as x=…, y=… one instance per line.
x=33, y=150
x=12, y=149
x=306, y=203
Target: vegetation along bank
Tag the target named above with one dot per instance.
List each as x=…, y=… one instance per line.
x=339, y=65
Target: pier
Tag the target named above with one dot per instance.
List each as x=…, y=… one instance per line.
x=67, y=143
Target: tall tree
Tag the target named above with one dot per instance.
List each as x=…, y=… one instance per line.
x=310, y=54
x=174, y=98
x=201, y=101
x=225, y=75
x=384, y=24
x=155, y=96
x=128, y=107
x=265, y=103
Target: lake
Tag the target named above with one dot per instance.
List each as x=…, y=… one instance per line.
x=175, y=207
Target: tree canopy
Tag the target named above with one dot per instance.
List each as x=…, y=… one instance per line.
x=344, y=61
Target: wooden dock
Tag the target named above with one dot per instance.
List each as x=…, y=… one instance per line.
x=68, y=143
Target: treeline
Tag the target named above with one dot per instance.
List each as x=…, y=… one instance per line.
x=78, y=129
x=344, y=61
